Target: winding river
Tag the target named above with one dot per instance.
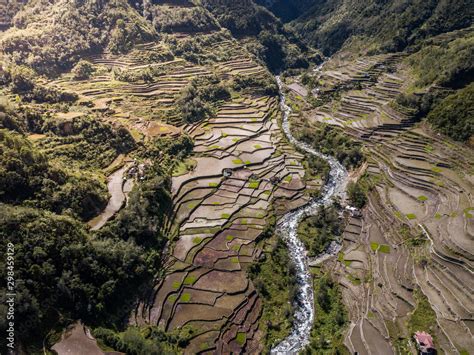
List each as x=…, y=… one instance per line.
x=287, y=228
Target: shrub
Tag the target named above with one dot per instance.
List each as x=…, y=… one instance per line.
x=22, y=79
x=199, y=99
x=331, y=140
x=318, y=231
x=357, y=194
x=453, y=115
x=82, y=70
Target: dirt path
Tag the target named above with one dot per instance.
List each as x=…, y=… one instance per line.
x=117, y=199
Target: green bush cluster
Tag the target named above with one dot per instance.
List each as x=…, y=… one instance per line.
x=23, y=82
x=255, y=84
x=198, y=49
x=199, y=99
x=148, y=209
x=63, y=273
x=274, y=279
x=317, y=167
x=449, y=111
x=84, y=141
x=327, y=334
x=150, y=340
x=82, y=70
x=447, y=63
x=454, y=115
x=171, y=19
x=28, y=177
x=318, y=231
x=357, y=194
x=331, y=140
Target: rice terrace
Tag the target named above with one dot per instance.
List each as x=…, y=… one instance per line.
x=237, y=177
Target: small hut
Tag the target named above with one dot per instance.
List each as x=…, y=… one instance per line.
x=424, y=343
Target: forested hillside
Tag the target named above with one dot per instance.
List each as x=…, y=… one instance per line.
x=383, y=26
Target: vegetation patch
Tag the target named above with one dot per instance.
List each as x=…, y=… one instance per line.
x=374, y=246
x=467, y=212
x=200, y=98
x=182, y=167
x=354, y=280
x=185, y=297
x=383, y=248
x=254, y=184
x=274, y=279
x=332, y=141
x=422, y=198
x=330, y=321
x=318, y=231
x=144, y=340
x=411, y=216
x=189, y=280
x=241, y=338
x=423, y=317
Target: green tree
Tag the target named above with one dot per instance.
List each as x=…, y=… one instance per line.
x=357, y=194
x=82, y=70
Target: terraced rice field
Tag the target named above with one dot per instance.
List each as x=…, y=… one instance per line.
x=244, y=173
x=219, y=220
x=413, y=243
x=415, y=234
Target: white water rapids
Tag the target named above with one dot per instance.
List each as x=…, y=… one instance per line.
x=287, y=229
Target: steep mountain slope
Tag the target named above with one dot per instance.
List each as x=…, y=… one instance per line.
x=263, y=34
x=384, y=25
x=287, y=10
x=52, y=35
x=160, y=119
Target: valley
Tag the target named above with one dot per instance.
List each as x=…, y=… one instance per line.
x=204, y=177
x=405, y=249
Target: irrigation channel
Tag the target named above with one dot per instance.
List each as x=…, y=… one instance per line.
x=287, y=229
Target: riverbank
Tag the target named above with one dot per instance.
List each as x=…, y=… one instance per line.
x=287, y=228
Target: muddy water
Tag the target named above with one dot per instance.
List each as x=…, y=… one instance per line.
x=287, y=228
